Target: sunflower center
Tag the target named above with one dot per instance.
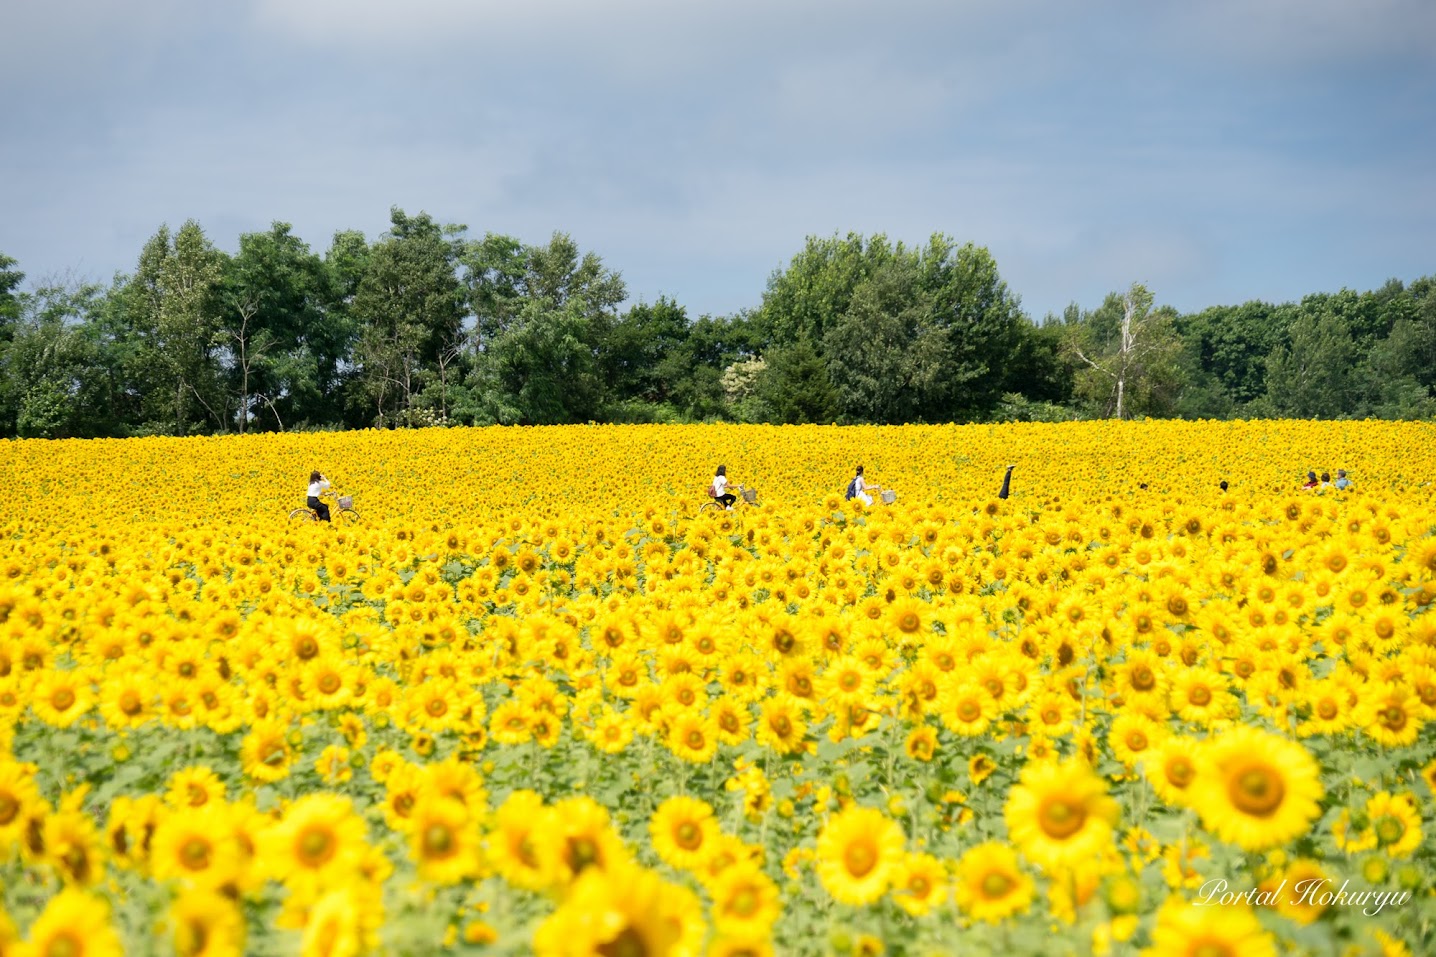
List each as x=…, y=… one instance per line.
x=1327, y=709
x=969, y=711
x=695, y=739
x=851, y=681
x=438, y=841
x=437, y=707
x=1211, y=948
x=996, y=885
x=860, y=858
x=1389, y=830
x=1142, y=678
x=689, y=836
x=195, y=854
x=62, y=699
x=1393, y=718
x=315, y=847
x=65, y=944
x=1180, y=771
x=627, y=944
x=744, y=903
x=1136, y=741
x=330, y=683
x=1060, y=818
x=1199, y=696
x=582, y=853
x=1256, y=790
x=9, y=808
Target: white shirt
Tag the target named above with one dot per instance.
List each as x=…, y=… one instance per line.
x=316, y=487
x=720, y=483
x=859, y=485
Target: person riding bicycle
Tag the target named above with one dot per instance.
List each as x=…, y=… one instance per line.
x=719, y=490
x=318, y=485
x=857, y=488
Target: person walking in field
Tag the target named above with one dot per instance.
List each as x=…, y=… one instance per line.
x=318, y=484
x=1006, y=482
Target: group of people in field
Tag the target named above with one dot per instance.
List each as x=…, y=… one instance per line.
x=858, y=487
x=1342, y=483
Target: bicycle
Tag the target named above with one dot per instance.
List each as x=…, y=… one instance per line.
x=345, y=513
x=746, y=495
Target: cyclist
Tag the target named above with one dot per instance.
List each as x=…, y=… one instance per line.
x=857, y=488
x=719, y=490
x=318, y=484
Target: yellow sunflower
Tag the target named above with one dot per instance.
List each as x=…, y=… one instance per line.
x=990, y=885
x=683, y=831
x=1256, y=789
x=859, y=852
x=1059, y=814
x=73, y=924
x=1184, y=929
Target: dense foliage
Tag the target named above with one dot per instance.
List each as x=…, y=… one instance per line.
x=426, y=326
x=535, y=702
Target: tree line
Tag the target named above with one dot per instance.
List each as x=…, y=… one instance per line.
x=427, y=326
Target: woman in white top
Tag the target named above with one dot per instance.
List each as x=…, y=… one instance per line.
x=317, y=485
x=719, y=491
x=857, y=488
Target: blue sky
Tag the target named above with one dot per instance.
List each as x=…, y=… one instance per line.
x=1217, y=151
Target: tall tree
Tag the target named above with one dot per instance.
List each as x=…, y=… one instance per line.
x=1130, y=352
x=410, y=307
x=542, y=314
x=10, y=280
x=281, y=362
x=1312, y=376
x=173, y=310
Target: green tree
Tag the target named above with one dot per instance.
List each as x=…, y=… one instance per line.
x=794, y=387
x=55, y=382
x=1312, y=376
x=10, y=280
x=542, y=317
x=1129, y=352
x=804, y=300
x=642, y=351
x=409, y=307
x=173, y=308
x=283, y=358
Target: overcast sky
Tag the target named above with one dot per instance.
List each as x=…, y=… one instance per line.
x=1218, y=151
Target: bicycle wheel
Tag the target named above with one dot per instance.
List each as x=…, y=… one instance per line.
x=302, y=515
x=348, y=516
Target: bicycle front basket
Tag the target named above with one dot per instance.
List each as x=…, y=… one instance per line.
x=346, y=501
x=889, y=497
x=750, y=495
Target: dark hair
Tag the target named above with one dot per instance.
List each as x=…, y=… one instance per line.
x=860, y=470
x=722, y=470
x=1223, y=484
x=315, y=477
x=1311, y=476
x=1326, y=476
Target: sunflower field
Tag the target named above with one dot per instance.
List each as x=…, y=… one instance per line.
x=534, y=701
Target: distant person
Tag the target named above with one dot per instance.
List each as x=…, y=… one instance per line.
x=318, y=485
x=1223, y=484
x=1326, y=480
x=1342, y=482
x=1310, y=480
x=719, y=490
x=858, y=488
x=1006, y=482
